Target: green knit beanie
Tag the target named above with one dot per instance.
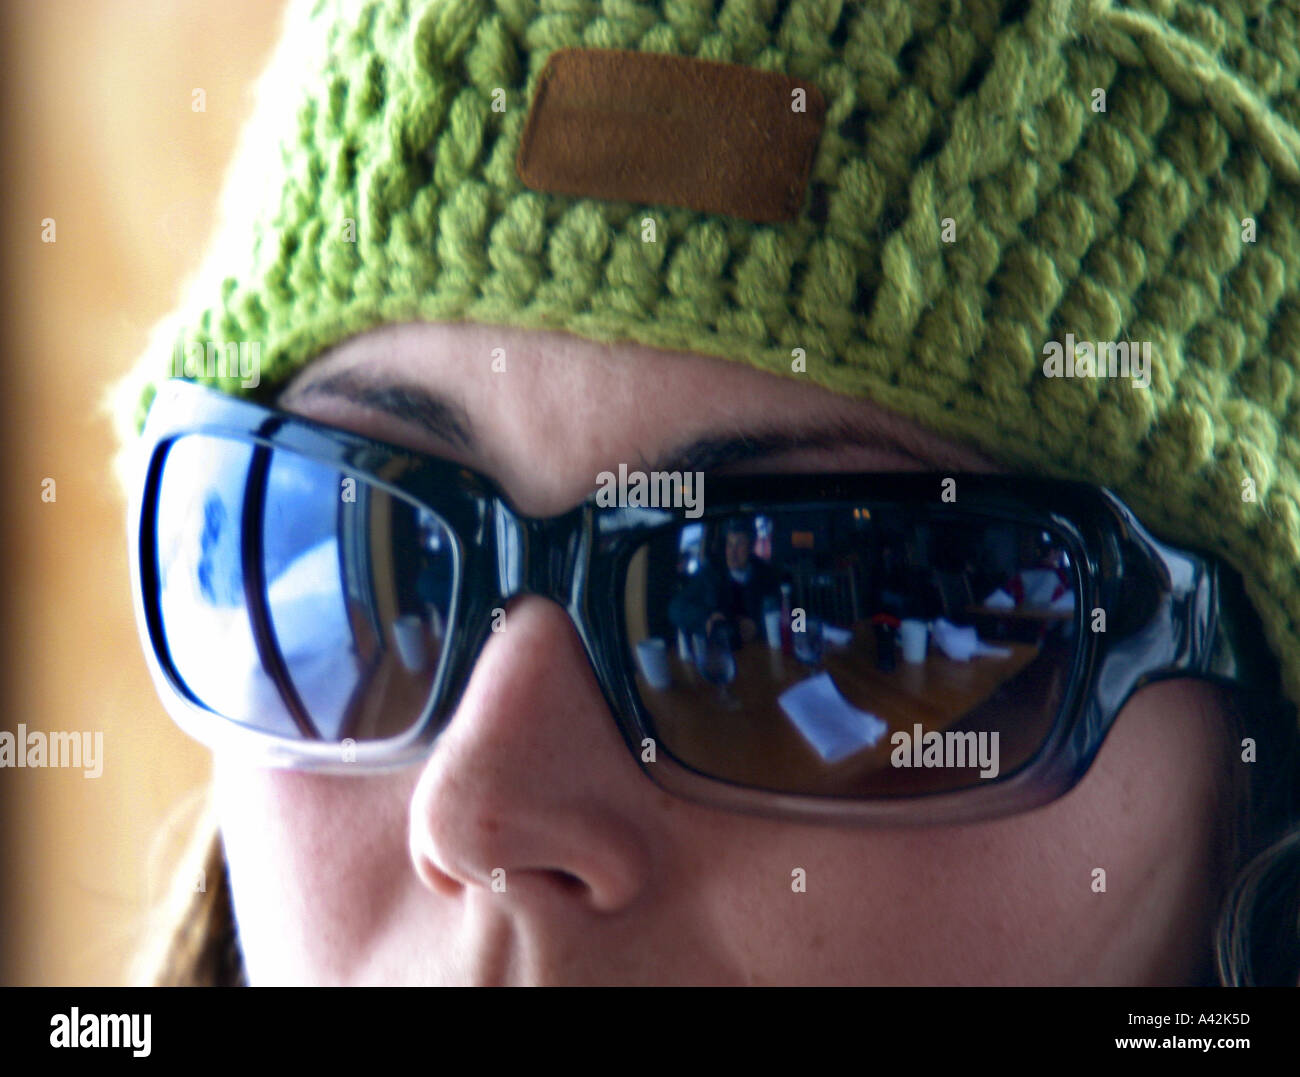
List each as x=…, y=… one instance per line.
x=937, y=192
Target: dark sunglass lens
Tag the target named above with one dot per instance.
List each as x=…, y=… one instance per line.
x=297, y=599
x=855, y=651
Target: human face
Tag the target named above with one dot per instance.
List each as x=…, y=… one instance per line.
x=530, y=848
x=737, y=551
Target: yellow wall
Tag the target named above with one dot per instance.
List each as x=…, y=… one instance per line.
x=100, y=134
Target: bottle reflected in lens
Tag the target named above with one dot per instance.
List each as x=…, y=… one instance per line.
x=715, y=663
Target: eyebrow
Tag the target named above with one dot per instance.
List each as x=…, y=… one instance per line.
x=707, y=453
x=446, y=419
x=435, y=414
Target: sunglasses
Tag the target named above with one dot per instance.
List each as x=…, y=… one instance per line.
x=858, y=648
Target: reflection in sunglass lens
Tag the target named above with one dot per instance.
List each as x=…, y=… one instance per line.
x=296, y=599
x=865, y=650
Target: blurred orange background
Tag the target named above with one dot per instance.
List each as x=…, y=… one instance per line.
x=101, y=135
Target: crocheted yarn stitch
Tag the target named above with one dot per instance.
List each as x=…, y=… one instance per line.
x=1173, y=216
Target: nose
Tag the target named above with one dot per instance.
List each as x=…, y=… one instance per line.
x=531, y=795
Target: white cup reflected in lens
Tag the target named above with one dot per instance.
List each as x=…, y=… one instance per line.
x=913, y=635
x=652, y=656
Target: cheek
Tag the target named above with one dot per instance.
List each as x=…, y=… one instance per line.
x=316, y=863
x=1020, y=900
x=323, y=880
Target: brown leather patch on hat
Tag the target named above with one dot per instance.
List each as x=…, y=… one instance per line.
x=646, y=127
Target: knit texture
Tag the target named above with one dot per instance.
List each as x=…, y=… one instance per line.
x=1172, y=217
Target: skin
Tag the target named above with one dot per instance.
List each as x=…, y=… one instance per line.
x=388, y=879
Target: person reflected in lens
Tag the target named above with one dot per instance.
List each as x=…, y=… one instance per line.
x=726, y=602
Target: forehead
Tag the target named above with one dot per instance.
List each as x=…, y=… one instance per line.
x=549, y=410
